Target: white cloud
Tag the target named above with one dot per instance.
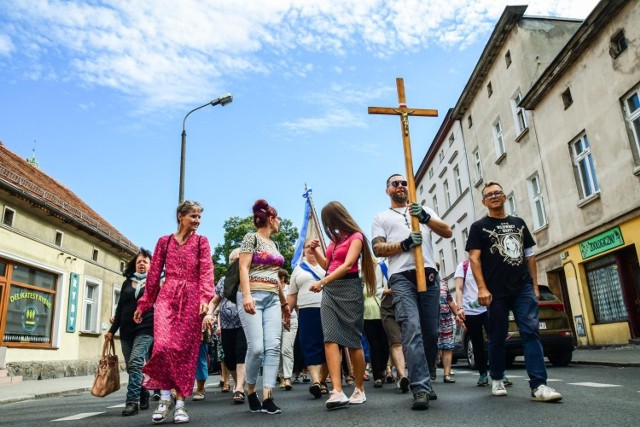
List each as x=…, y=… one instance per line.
x=165, y=52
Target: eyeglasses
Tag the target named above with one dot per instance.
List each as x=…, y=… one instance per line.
x=398, y=183
x=493, y=194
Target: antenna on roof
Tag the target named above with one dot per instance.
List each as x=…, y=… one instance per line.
x=33, y=159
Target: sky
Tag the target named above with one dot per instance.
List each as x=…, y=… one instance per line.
x=100, y=89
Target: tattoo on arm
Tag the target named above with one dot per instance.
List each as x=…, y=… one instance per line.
x=383, y=249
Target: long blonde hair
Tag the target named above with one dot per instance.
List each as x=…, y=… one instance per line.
x=338, y=223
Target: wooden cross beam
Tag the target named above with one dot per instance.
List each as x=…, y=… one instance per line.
x=404, y=114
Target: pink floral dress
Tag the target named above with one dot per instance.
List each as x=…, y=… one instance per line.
x=177, y=324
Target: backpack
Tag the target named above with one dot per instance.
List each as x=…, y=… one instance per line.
x=232, y=279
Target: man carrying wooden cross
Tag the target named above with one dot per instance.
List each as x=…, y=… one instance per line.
x=416, y=312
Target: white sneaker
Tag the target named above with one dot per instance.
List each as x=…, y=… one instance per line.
x=358, y=397
x=545, y=394
x=337, y=400
x=497, y=388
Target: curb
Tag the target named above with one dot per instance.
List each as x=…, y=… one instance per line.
x=70, y=392
x=611, y=364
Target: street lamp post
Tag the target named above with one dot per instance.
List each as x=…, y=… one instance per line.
x=223, y=100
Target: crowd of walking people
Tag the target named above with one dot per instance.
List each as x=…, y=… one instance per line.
x=341, y=309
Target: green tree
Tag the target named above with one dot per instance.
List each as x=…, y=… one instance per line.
x=235, y=228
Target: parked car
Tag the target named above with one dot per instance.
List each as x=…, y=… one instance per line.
x=555, y=334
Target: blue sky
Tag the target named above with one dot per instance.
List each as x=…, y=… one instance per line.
x=103, y=87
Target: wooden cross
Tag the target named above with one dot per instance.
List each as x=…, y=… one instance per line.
x=404, y=114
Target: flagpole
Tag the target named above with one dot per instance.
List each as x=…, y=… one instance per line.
x=317, y=221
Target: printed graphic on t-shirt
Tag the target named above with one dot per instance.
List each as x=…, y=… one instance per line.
x=507, y=240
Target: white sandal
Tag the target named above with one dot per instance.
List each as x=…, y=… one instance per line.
x=180, y=416
x=162, y=411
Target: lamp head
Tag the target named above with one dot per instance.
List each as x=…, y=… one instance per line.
x=223, y=100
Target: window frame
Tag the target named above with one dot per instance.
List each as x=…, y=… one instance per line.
x=447, y=194
x=454, y=251
x=458, y=181
x=96, y=303
x=576, y=158
x=631, y=118
x=12, y=213
x=443, y=267
x=510, y=205
x=435, y=204
x=519, y=114
x=498, y=138
x=536, y=200
x=478, y=163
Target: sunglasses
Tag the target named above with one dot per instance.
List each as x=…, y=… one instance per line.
x=398, y=183
x=493, y=194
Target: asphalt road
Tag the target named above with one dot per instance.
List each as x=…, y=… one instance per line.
x=593, y=396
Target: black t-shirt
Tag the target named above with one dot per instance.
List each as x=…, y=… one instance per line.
x=502, y=242
x=123, y=318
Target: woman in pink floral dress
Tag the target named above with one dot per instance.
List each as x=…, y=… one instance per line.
x=180, y=305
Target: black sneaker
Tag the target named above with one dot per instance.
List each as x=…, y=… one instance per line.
x=433, y=395
x=156, y=395
x=403, y=384
x=270, y=407
x=420, y=401
x=254, y=403
x=131, y=408
x=144, y=399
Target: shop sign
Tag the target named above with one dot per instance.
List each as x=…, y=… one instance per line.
x=601, y=243
x=28, y=316
x=72, y=306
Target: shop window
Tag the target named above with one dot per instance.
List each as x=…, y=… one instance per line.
x=7, y=216
x=30, y=307
x=605, y=287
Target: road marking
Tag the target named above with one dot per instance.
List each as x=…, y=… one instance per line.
x=122, y=405
x=598, y=385
x=552, y=380
x=79, y=416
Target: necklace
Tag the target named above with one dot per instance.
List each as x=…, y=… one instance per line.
x=404, y=215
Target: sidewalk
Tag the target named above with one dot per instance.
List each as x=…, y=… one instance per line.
x=624, y=356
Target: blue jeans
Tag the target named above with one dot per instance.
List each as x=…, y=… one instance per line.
x=136, y=352
x=263, y=330
x=418, y=314
x=202, y=368
x=525, y=310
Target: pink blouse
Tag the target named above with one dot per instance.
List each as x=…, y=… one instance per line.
x=337, y=254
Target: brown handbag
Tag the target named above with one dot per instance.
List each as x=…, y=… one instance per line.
x=107, y=378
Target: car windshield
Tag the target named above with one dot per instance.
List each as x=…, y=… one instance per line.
x=547, y=295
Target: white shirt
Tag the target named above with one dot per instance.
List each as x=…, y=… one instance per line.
x=393, y=227
x=469, y=290
x=300, y=282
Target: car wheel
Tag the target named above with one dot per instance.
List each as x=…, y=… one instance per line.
x=560, y=357
x=468, y=345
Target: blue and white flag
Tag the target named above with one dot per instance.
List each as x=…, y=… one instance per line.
x=310, y=228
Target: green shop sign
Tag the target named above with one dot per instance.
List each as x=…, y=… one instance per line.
x=601, y=243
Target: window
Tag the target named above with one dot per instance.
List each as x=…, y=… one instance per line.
x=583, y=168
x=451, y=140
x=519, y=114
x=441, y=155
x=122, y=266
x=430, y=172
x=477, y=163
x=91, y=307
x=421, y=188
x=435, y=204
x=115, y=299
x=507, y=58
x=510, y=205
x=30, y=305
x=94, y=255
x=456, y=175
x=423, y=201
x=567, y=99
x=447, y=196
x=443, y=267
x=618, y=44
x=632, y=116
x=537, y=202
x=454, y=251
x=489, y=89
x=58, y=239
x=465, y=235
x=469, y=121
x=605, y=287
x=498, y=139
x=7, y=216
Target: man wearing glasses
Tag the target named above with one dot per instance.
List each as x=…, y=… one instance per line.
x=501, y=257
x=416, y=312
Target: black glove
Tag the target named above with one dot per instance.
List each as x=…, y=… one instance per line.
x=416, y=210
x=414, y=239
